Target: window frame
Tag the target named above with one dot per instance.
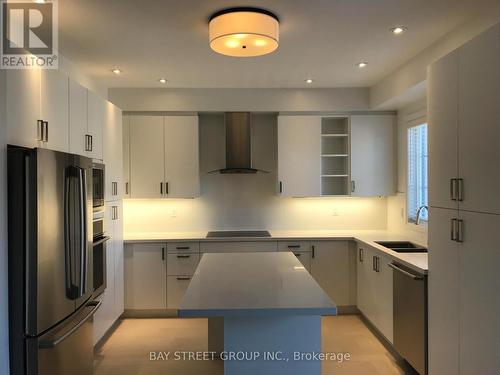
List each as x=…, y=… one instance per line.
x=411, y=221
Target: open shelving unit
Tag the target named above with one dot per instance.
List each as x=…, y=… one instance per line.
x=334, y=156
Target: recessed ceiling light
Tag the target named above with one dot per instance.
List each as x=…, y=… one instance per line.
x=398, y=30
x=162, y=80
x=39, y=1
x=309, y=80
x=116, y=71
x=362, y=64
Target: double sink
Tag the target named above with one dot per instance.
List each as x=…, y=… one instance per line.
x=402, y=246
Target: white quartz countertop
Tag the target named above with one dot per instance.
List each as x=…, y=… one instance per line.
x=253, y=284
x=416, y=261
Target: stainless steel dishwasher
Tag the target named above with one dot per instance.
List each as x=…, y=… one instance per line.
x=410, y=316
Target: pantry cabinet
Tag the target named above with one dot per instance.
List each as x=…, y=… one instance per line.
x=112, y=136
x=375, y=289
x=145, y=276
x=79, y=141
x=164, y=161
x=372, y=155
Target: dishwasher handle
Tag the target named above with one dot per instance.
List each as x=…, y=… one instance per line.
x=406, y=273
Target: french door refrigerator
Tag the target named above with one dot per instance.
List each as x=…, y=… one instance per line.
x=50, y=258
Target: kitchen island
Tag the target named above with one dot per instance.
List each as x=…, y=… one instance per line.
x=271, y=309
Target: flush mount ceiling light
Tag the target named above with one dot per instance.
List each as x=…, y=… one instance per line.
x=243, y=32
x=309, y=80
x=116, y=71
x=162, y=80
x=362, y=64
x=398, y=29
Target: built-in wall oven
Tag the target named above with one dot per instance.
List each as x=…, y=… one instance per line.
x=98, y=172
x=99, y=253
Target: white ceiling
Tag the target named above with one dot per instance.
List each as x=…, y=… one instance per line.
x=321, y=39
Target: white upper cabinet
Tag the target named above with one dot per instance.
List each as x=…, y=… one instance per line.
x=37, y=102
x=372, y=155
x=96, y=117
x=299, y=156
x=23, y=103
x=78, y=137
x=112, y=152
x=479, y=122
x=164, y=159
x=182, y=174
x=126, y=156
x=442, y=106
x=54, y=103
x=147, y=173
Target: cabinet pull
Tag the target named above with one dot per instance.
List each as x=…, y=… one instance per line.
x=294, y=246
x=162, y=253
x=312, y=251
x=45, y=134
x=161, y=188
x=183, y=256
x=361, y=255
x=453, y=189
x=297, y=254
x=375, y=263
x=182, y=247
x=166, y=188
x=460, y=188
x=183, y=278
x=460, y=230
x=39, y=124
x=91, y=143
x=453, y=236
x=114, y=212
x=126, y=188
x=281, y=187
x=353, y=186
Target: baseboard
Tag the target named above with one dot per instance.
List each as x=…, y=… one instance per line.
x=149, y=313
x=347, y=310
x=105, y=337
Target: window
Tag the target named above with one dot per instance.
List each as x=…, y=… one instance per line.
x=417, y=172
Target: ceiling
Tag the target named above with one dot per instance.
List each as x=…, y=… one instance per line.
x=319, y=39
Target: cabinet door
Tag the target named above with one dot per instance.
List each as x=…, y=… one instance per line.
x=112, y=152
x=366, y=288
x=442, y=104
x=479, y=126
x=479, y=300
x=23, y=103
x=177, y=286
x=235, y=247
x=117, y=238
x=372, y=155
x=182, y=173
x=96, y=115
x=145, y=276
x=147, y=157
x=54, y=104
x=384, y=297
x=299, y=156
x=330, y=268
x=77, y=118
x=126, y=156
x=443, y=295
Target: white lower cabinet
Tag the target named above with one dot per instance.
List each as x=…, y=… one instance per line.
x=330, y=267
x=375, y=289
x=176, y=287
x=182, y=264
x=145, y=276
x=235, y=247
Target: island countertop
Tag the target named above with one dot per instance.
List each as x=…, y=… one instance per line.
x=253, y=284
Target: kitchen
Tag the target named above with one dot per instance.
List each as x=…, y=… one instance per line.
x=222, y=200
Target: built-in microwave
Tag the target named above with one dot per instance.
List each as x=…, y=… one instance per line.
x=99, y=254
x=98, y=171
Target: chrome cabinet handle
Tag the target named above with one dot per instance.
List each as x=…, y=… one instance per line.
x=114, y=188
x=297, y=254
x=453, y=189
x=183, y=256
x=46, y=133
x=360, y=254
x=40, y=131
x=452, y=229
x=353, y=186
x=460, y=188
x=126, y=188
x=396, y=268
x=460, y=229
x=183, y=278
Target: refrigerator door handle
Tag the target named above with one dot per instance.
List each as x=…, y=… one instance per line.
x=67, y=239
x=82, y=287
x=54, y=341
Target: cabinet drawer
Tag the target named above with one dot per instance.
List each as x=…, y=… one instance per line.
x=183, y=247
x=176, y=287
x=182, y=264
x=305, y=258
x=295, y=246
x=235, y=247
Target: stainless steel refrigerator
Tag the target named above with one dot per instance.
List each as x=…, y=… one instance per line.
x=50, y=262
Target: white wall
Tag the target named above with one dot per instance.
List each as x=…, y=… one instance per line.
x=412, y=115
x=248, y=201
x=4, y=301
x=408, y=79
x=220, y=100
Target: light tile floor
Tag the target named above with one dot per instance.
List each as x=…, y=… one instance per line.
x=126, y=352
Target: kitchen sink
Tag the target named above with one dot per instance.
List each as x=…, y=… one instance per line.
x=402, y=246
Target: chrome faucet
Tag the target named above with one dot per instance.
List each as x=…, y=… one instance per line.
x=417, y=220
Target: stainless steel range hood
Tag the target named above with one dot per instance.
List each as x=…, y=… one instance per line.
x=238, y=144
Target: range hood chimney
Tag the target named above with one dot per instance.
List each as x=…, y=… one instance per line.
x=238, y=144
